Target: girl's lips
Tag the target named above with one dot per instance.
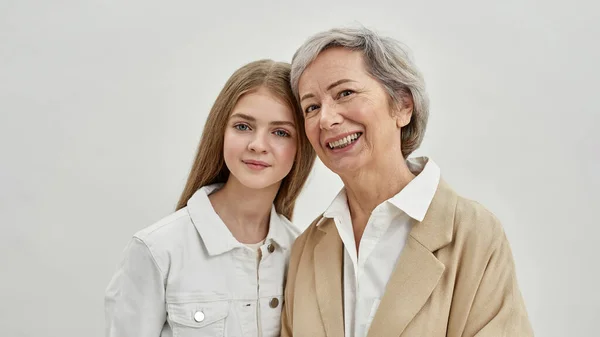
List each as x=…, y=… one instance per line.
x=256, y=164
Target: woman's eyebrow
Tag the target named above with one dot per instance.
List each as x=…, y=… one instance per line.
x=331, y=86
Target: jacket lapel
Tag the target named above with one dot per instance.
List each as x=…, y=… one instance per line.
x=416, y=275
x=417, y=271
x=328, y=278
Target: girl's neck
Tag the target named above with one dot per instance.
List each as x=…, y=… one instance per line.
x=245, y=211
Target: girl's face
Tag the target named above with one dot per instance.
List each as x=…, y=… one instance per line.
x=260, y=140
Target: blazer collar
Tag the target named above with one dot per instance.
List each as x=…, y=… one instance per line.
x=437, y=228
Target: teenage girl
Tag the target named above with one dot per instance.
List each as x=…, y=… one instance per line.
x=216, y=267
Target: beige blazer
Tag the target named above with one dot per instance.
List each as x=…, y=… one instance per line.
x=455, y=277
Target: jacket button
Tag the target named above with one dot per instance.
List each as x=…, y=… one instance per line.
x=199, y=316
x=271, y=248
x=274, y=302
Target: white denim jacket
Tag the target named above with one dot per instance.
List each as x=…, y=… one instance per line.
x=188, y=276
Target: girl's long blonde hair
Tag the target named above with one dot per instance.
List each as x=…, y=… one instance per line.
x=209, y=166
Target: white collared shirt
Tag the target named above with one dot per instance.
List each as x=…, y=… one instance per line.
x=367, y=272
x=188, y=276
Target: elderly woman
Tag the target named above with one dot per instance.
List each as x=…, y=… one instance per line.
x=398, y=252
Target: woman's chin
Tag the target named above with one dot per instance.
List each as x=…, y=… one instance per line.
x=345, y=166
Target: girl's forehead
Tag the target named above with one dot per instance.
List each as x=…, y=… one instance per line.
x=263, y=107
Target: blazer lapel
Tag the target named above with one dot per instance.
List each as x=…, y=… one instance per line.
x=417, y=271
x=328, y=255
x=416, y=275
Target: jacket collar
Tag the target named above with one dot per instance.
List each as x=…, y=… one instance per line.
x=214, y=233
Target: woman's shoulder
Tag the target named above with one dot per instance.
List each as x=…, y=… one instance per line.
x=475, y=223
x=307, y=235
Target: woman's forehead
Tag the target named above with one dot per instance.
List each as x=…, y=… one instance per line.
x=330, y=66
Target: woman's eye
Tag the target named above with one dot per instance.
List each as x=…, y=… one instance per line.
x=311, y=108
x=242, y=127
x=345, y=93
x=281, y=133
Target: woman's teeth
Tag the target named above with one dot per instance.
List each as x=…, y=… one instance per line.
x=338, y=144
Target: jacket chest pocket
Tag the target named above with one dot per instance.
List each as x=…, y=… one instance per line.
x=197, y=318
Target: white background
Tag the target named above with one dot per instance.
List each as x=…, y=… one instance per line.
x=102, y=104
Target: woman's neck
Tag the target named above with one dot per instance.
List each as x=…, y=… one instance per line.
x=372, y=185
x=245, y=211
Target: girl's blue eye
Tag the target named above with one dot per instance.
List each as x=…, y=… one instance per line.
x=242, y=127
x=281, y=133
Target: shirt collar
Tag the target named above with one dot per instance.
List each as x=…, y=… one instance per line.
x=338, y=207
x=214, y=233
x=414, y=199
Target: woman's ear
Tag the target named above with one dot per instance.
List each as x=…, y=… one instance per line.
x=404, y=111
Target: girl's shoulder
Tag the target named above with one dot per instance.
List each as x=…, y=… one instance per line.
x=291, y=227
x=166, y=230
x=284, y=231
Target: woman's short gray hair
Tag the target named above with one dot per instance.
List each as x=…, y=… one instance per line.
x=387, y=60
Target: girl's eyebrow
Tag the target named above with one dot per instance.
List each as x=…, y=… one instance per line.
x=252, y=119
x=282, y=123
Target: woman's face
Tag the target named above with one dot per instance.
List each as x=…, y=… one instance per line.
x=260, y=140
x=347, y=113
